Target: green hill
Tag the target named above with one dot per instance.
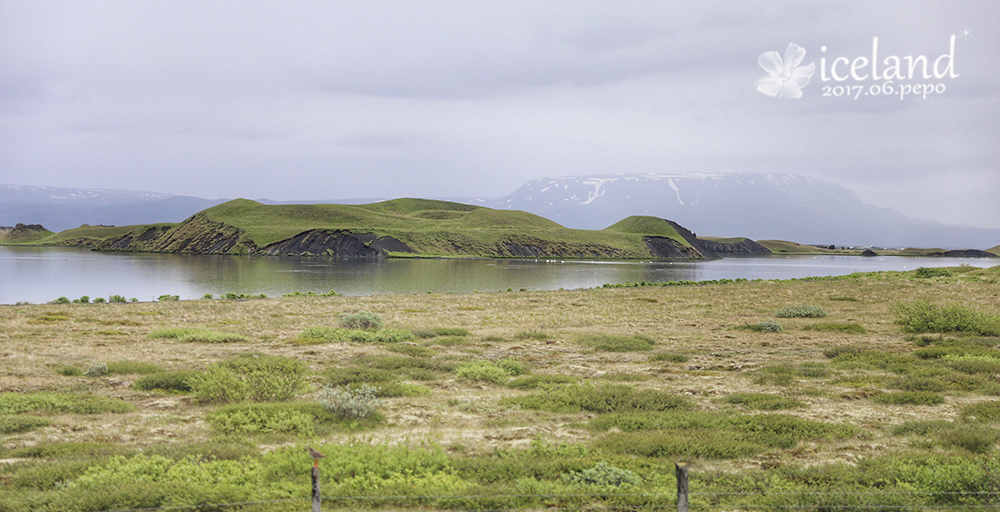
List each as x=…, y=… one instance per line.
x=23, y=234
x=401, y=227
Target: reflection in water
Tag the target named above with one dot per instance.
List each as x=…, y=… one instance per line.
x=33, y=274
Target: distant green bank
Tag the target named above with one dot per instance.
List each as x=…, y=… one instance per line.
x=397, y=228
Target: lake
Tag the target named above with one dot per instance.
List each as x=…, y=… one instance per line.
x=36, y=275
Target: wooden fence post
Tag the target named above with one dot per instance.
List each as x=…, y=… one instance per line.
x=682, y=486
x=315, y=495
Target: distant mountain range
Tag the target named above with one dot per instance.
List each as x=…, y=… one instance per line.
x=758, y=206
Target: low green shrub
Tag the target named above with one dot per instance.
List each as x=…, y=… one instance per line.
x=330, y=293
x=255, y=418
x=449, y=341
x=802, y=311
x=982, y=411
x=66, y=403
x=609, y=343
x=605, y=398
x=532, y=335
x=670, y=357
x=916, y=383
x=174, y=381
x=356, y=374
x=397, y=389
x=250, y=377
x=908, y=398
x=974, y=438
x=846, y=328
x=534, y=381
x=399, y=363
x=765, y=326
x=861, y=359
x=350, y=404
x=186, y=335
x=483, y=371
x=924, y=272
x=411, y=350
x=709, y=434
x=362, y=320
x=16, y=424
x=117, y=299
x=84, y=299
x=786, y=374
x=60, y=300
x=335, y=335
x=70, y=371
x=96, y=370
x=603, y=475
x=168, y=298
x=923, y=316
x=450, y=331
x=763, y=401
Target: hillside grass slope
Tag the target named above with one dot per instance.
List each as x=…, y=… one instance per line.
x=400, y=227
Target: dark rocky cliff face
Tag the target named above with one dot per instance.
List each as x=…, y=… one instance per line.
x=337, y=244
x=744, y=247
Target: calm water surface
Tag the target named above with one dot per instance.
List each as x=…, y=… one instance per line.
x=32, y=274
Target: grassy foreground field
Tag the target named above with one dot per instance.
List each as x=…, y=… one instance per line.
x=878, y=389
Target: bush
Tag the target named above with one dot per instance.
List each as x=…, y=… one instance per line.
x=606, y=398
x=982, y=411
x=82, y=300
x=185, y=335
x=800, y=312
x=61, y=403
x=350, y=404
x=117, y=299
x=99, y=300
x=96, y=370
x=175, y=381
x=765, y=326
x=250, y=377
x=604, y=475
x=412, y=350
x=923, y=317
x=362, y=320
x=670, y=357
x=165, y=298
x=617, y=343
x=924, y=272
x=763, y=401
x=16, y=424
x=60, y=300
x=534, y=381
x=785, y=374
x=450, y=331
x=249, y=419
x=70, y=371
x=908, y=398
x=335, y=335
x=846, y=328
x=483, y=371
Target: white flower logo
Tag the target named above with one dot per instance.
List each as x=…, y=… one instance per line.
x=786, y=79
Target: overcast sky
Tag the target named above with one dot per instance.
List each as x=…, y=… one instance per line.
x=339, y=99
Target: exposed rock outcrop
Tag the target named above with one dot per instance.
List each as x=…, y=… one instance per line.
x=745, y=247
x=338, y=244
